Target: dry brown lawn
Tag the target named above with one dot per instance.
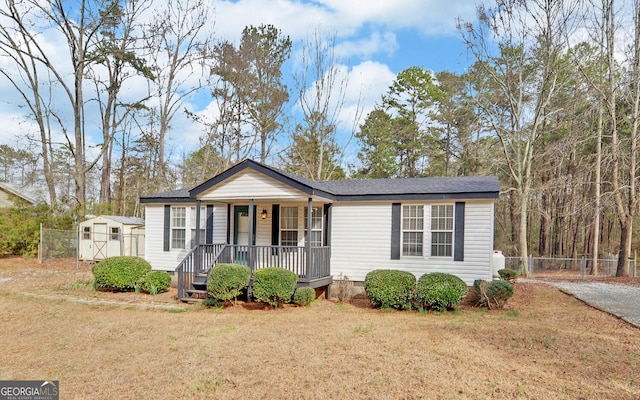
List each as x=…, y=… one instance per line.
x=545, y=345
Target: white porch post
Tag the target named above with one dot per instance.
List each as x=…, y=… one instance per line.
x=308, y=239
x=199, y=261
x=250, y=246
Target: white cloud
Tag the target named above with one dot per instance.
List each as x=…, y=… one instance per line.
x=346, y=18
x=366, y=47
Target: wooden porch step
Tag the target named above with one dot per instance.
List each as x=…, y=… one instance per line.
x=191, y=292
x=191, y=300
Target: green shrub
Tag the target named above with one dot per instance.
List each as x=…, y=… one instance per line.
x=439, y=291
x=211, y=302
x=492, y=294
x=156, y=282
x=304, y=296
x=226, y=281
x=508, y=275
x=120, y=274
x=389, y=288
x=274, y=285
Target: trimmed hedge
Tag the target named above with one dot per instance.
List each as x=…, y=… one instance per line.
x=156, y=282
x=439, y=291
x=389, y=288
x=492, y=294
x=274, y=285
x=120, y=274
x=304, y=296
x=508, y=275
x=226, y=281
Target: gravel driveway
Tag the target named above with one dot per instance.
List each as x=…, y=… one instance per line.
x=620, y=300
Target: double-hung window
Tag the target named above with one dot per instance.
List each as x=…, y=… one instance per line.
x=316, y=226
x=412, y=230
x=289, y=226
x=192, y=221
x=441, y=230
x=178, y=227
x=86, y=232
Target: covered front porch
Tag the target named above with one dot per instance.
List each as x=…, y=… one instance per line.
x=310, y=265
x=290, y=234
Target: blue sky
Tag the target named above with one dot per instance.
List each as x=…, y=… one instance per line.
x=376, y=39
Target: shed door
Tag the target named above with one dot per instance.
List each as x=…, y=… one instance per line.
x=100, y=240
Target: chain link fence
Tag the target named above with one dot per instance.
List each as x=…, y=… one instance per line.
x=568, y=267
x=58, y=243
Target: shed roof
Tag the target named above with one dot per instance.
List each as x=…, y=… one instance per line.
x=121, y=219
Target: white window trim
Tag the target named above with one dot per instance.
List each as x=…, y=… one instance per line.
x=298, y=223
x=402, y=231
x=431, y=231
x=321, y=229
x=192, y=225
x=174, y=227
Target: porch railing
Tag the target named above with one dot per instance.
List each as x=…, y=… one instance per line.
x=292, y=258
x=189, y=268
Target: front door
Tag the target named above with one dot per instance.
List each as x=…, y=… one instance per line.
x=241, y=233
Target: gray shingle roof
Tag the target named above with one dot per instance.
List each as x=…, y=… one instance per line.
x=172, y=195
x=432, y=185
x=361, y=189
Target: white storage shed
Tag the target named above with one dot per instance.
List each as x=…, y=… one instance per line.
x=109, y=236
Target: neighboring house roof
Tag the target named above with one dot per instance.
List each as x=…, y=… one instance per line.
x=13, y=190
x=121, y=219
x=360, y=189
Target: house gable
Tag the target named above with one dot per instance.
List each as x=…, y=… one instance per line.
x=301, y=184
x=250, y=184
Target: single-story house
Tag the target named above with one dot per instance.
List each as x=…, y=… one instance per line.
x=109, y=236
x=262, y=216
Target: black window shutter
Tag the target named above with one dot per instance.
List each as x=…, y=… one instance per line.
x=327, y=225
x=275, y=224
x=458, y=232
x=228, y=223
x=209, y=227
x=395, y=231
x=167, y=228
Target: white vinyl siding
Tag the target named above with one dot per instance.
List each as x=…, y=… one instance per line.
x=361, y=242
x=153, y=240
x=251, y=185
